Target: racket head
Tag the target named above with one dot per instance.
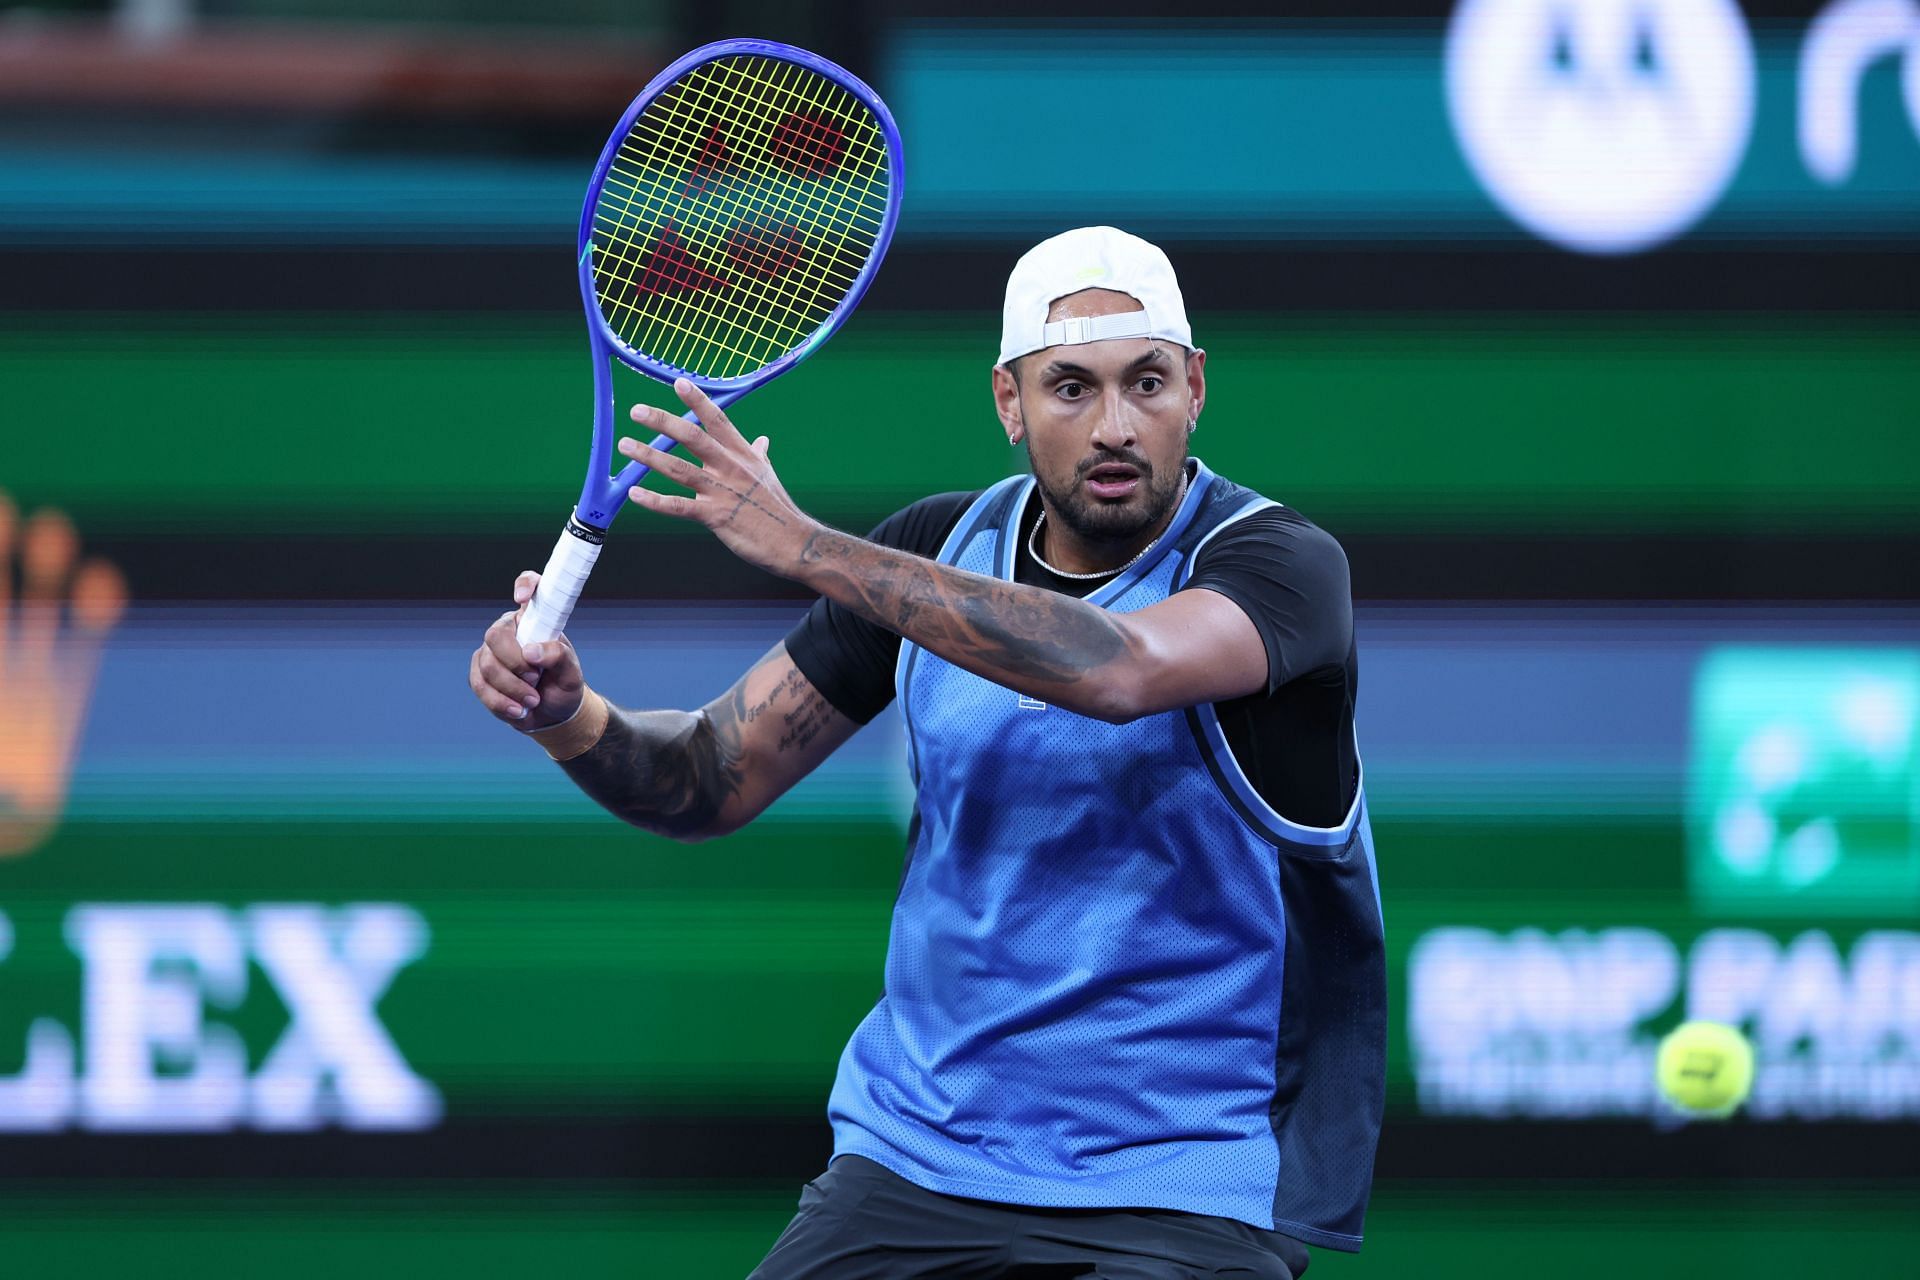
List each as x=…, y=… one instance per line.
x=736, y=217
x=765, y=175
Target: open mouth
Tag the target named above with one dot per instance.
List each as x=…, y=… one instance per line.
x=1113, y=480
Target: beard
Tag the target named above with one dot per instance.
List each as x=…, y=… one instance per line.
x=1098, y=521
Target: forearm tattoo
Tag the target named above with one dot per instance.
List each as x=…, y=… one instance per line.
x=667, y=771
x=675, y=772
x=1002, y=630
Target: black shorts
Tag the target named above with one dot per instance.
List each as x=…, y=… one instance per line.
x=861, y=1221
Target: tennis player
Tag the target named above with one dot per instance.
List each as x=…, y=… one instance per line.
x=1134, y=1017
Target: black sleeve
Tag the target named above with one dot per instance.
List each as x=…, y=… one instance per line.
x=1291, y=578
x=848, y=659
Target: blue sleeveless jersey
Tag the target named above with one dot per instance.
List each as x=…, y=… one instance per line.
x=1115, y=977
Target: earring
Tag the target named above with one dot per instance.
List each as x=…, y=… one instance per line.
x=1193, y=425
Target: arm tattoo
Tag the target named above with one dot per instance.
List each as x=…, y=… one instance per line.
x=997, y=629
x=669, y=772
x=676, y=772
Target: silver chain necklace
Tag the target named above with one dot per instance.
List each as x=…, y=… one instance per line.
x=1033, y=547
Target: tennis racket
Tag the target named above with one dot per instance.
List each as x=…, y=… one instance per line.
x=734, y=221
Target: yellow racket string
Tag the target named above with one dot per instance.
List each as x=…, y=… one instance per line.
x=731, y=301
x=740, y=208
x=739, y=205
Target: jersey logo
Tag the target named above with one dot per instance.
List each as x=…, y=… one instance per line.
x=1031, y=704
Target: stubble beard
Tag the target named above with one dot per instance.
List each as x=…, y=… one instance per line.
x=1113, y=522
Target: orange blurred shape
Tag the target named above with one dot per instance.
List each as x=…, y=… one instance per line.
x=99, y=596
x=48, y=684
x=48, y=546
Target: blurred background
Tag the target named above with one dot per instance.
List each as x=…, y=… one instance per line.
x=1588, y=327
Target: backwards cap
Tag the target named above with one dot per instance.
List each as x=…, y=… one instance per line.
x=1091, y=258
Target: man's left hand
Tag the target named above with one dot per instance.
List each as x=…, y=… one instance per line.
x=735, y=491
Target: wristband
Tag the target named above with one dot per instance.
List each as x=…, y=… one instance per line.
x=577, y=734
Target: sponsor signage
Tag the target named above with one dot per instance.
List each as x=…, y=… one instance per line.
x=1600, y=126
x=1606, y=126
x=149, y=1049
x=1803, y=790
x=1532, y=1023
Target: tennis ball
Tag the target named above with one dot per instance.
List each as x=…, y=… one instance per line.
x=1705, y=1068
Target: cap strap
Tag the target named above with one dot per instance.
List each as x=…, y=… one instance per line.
x=1066, y=333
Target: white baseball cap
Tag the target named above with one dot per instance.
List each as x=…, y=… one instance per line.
x=1091, y=258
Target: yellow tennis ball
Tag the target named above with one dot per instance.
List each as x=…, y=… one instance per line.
x=1705, y=1068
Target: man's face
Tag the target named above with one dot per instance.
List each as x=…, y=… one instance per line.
x=1105, y=423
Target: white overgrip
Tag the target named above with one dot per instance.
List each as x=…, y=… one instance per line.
x=559, y=590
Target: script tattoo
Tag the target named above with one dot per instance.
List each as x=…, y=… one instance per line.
x=998, y=629
x=675, y=772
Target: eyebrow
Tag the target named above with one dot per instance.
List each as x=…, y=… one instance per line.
x=1066, y=368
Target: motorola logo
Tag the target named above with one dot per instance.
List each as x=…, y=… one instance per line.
x=1604, y=126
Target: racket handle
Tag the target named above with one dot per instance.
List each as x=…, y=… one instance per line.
x=560, y=583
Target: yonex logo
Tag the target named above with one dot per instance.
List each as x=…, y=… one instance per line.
x=809, y=145
x=670, y=268
x=803, y=145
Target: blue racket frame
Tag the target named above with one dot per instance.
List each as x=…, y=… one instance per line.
x=603, y=494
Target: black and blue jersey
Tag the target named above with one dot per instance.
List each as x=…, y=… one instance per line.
x=1117, y=975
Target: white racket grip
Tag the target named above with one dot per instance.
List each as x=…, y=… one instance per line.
x=559, y=590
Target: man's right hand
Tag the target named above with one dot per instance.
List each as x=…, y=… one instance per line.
x=535, y=687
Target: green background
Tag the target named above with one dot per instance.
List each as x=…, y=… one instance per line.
x=1384, y=422
x=633, y=976
x=1579, y=1232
